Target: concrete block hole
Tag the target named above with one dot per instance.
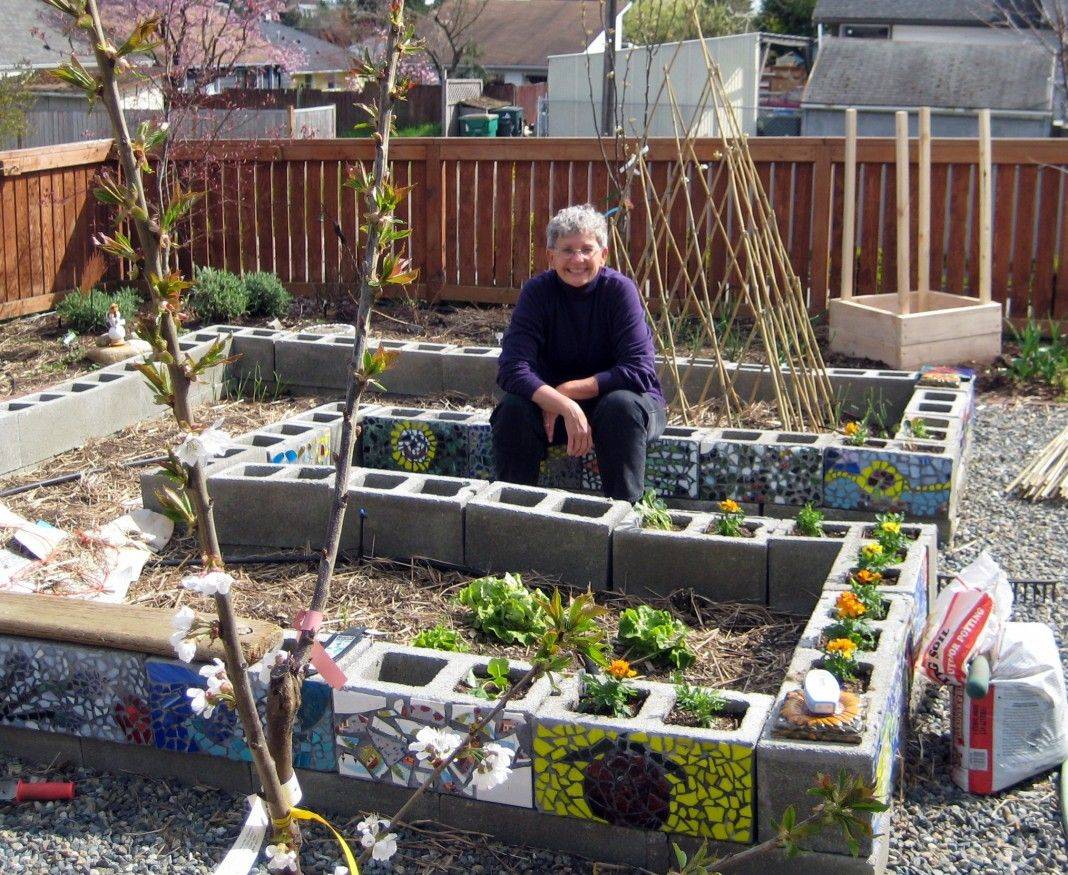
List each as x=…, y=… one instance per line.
x=520, y=497
x=584, y=507
x=443, y=488
x=409, y=669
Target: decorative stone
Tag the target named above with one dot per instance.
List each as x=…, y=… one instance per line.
x=846, y=725
x=105, y=354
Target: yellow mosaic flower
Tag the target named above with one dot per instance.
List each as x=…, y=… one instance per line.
x=620, y=668
x=849, y=606
x=841, y=647
x=730, y=506
x=413, y=445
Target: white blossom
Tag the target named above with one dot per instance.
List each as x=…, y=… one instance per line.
x=270, y=659
x=341, y=870
x=184, y=647
x=216, y=675
x=200, y=701
x=434, y=745
x=383, y=845
x=198, y=448
x=182, y=621
x=209, y=582
x=280, y=858
x=493, y=766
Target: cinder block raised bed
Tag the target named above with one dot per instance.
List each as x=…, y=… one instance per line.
x=393, y=692
x=645, y=773
x=407, y=515
x=418, y=369
x=653, y=562
x=415, y=440
x=521, y=528
x=798, y=566
x=470, y=370
x=762, y=467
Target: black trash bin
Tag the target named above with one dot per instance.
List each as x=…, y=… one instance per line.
x=510, y=121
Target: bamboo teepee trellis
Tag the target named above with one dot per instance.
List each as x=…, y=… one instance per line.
x=758, y=297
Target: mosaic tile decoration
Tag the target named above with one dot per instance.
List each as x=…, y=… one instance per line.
x=671, y=467
x=762, y=473
x=889, y=746
x=314, y=452
x=84, y=691
x=374, y=731
x=480, y=462
x=913, y=483
x=671, y=783
x=174, y=726
x=561, y=471
x=425, y=446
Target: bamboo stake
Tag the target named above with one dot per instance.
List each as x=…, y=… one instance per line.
x=902, y=166
x=985, y=206
x=849, y=202
x=1045, y=476
x=923, y=205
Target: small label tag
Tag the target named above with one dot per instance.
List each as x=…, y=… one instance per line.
x=244, y=851
x=292, y=790
x=308, y=621
x=326, y=667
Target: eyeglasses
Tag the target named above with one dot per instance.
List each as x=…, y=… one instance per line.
x=585, y=251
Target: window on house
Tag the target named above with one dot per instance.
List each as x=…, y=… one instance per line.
x=865, y=31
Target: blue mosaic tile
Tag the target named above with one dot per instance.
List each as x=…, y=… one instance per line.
x=83, y=691
x=480, y=463
x=671, y=467
x=561, y=471
x=916, y=484
x=768, y=473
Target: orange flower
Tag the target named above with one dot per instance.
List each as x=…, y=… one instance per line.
x=849, y=606
x=730, y=506
x=841, y=647
x=866, y=576
x=620, y=668
x=851, y=428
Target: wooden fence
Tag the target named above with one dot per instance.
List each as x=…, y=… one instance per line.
x=478, y=208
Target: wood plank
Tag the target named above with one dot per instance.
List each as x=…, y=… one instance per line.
x=413, y=249
x=314, y=222
x=34, y=252
x=521, y=212
x=869, y=210
x=249, y=259
x=298, y=231
x=1004, y=195
x=503, y=220
x=1020, y=275
x=889, y=238
x=834, y=265
x=1049, y=187
x=119, y=627
x=939, y=190
x=280, y=233
x=25, y=306
x=54, y=204
x=812, y=200
x=484, y=216
x=433, y=235
x=540, y=194
x=331, y=214
x=465, y=224
x=450, y=213
x=956, y=248
x=84, y=206
x=19, y=161
x=9, y=260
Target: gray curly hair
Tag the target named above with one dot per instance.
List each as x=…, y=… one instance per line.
x=582, y=219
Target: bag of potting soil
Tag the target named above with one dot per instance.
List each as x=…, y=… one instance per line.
x=1020, y=727
x=966, y=621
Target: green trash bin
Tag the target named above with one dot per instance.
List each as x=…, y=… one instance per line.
x=478, y=124
x=511, y=121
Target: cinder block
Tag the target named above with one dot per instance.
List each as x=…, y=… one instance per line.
x=255, y=346
x=856, y=390
x=788, y=767
x=574, y=473
x=11, y=459
x=32, y=745
x=900, y=612
x=677, y=779
x=314, y=361
x=274, y=505
x=762, y=467
x=415, y=440
x=798, y=566
x=699, y=378
x=470, y=370
x=340, y=794
x=672, y=462
x=775, y=862
x=53, y=421
x=406, y=515
x=393, y=692
x=190, y=769
x=417, y=370
x=518, y=528
x=654, y=562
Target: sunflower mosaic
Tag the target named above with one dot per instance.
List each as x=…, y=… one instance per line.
x=413, y=446
x=425, y=446
x=671, y=783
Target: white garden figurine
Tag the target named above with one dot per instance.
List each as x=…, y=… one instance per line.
x=822, y=692
x=116, y=326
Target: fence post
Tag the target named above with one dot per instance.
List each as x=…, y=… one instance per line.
x=822, y=205
x=292, y=122
x=434, y=222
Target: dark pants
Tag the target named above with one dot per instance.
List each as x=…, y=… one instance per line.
x=623, y=423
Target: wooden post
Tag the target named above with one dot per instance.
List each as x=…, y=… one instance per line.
x=849, y=203
x=292, y=122
x=923, y=207
x=822, y=205
x=434, y=222
x=985, y=206
x=902, y=161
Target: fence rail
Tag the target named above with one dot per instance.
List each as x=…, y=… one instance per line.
x=478, y=208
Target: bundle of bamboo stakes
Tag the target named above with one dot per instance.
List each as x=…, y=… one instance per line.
x=757, y=311
x=1046, y=477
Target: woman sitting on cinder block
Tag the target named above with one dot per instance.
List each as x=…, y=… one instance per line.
x=577, y=364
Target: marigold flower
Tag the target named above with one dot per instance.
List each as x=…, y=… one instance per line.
x=891, y=527
x=866, y=576
x=849, y=606
x=729, y=505
x=620, y=668
x=872, y=551
x=841, y=647
x=851, y=428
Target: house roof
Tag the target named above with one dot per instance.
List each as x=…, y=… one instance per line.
x=311, y=54
x=948, y=12
x=30, y=35
x=861, y=72
x=523, y=33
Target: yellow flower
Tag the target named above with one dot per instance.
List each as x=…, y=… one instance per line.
x=730, y=506
x=865, y=576
x=851, y=428
x=872, y=551
x=891, y=527
x=849, y=606
x=841, y=647
x=620, y=668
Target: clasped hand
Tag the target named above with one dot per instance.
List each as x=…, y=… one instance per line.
x=579, y=435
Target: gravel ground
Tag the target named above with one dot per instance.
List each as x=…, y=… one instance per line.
x=123, y=823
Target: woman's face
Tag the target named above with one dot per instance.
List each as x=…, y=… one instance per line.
x=577, y=258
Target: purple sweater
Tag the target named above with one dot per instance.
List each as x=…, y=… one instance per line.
x=561, y=333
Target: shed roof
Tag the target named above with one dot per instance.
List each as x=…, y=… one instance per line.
x=949, y=12
x=860, y=72
x=29, y=34
x=311, y=54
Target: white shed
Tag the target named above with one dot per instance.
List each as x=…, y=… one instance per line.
x=574, y=92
